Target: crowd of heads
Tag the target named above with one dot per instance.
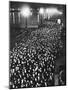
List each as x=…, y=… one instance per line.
x=32, y=64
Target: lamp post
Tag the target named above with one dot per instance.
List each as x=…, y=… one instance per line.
x=26, y=22
x=26, y=12
x=41, y=13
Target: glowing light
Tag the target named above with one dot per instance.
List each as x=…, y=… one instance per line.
x=59, y=21
x=41, y=11
x=25, y=11
x=53, y=11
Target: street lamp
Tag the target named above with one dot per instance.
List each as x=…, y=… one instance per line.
x=41, y=13
x=26, y=12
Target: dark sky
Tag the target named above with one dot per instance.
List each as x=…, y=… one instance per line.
x=34, y=5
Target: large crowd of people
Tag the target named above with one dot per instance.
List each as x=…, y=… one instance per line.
x=32, y=63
